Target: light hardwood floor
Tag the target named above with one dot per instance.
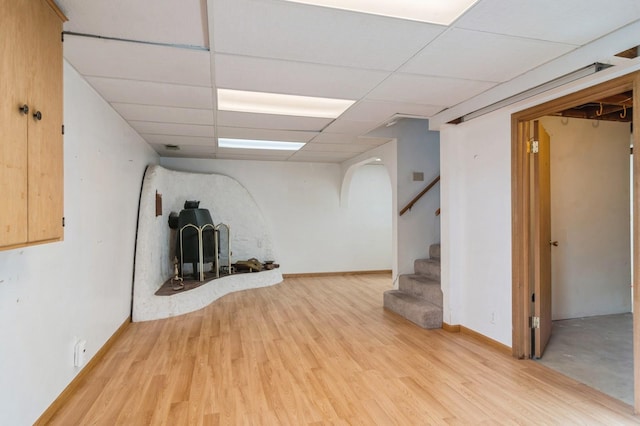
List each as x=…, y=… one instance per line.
x=321, y=351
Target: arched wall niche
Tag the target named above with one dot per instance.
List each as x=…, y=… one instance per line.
x=228, y=202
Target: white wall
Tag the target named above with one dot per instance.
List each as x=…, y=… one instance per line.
x=418, y=150
x=300, y=202
x=476, y=216
x=388, y=154
x=52, y=294
x=476, y=224
x=590, y=217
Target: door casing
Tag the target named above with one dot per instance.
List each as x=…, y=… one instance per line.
x=521, y=213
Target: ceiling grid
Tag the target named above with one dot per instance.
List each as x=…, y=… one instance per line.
x=164, y=79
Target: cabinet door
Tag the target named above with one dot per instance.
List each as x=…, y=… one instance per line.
x=45, y=165
x=15, y=40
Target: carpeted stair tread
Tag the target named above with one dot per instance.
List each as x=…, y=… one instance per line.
x=421, y=286
x=415, y=309
x=434, y=251
x=427, y=267
x=419, y=295
x=422, y=278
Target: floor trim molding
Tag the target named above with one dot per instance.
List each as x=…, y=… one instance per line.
x=451, y=328
x=457, y=328
x=334, y=274
x=487, y=340
x=71, y=387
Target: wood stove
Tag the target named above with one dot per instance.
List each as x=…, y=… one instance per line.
x=199, y=241
x=196, y=238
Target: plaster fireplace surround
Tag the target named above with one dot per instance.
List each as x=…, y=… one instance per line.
x=228, y=202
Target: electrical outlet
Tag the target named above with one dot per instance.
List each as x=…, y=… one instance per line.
x=79, y=351
x=493, y=317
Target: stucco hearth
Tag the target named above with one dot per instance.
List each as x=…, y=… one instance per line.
x=228, y=202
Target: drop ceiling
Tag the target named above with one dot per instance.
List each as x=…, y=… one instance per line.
x=159, y=64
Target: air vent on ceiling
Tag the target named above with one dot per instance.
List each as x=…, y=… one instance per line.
x=169, y=147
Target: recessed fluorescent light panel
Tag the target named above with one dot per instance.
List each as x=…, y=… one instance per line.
x=442, y=12
x=259, y=144
x=279, y=104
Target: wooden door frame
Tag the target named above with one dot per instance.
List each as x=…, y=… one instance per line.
x=520, y=209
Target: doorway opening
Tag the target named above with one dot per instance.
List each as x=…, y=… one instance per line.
x=589, y=242
x=536, y=245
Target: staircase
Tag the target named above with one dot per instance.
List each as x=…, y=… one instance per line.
x=419, y=297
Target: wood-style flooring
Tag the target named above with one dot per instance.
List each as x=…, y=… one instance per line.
x=321, y=351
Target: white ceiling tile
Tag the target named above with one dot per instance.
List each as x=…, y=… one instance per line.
x=160, y=21
x=164, y=114
x=251, y=157
x=335, y=138
x=186, y=154
x=255, y=152
x=482, y=56
x=179, y=140
x=294, y=78
x=417, y=89
x=381, y=111
x=188, y=151
x=351, y=127
x=322, y=157
x=172, y=129
x=187, y=148
x=285, y=30
x=372, y=141
x=338, y=138
x=390, y=66
x=261, y=134
x=138, y=61
x=331, y=147
x=567, y=21
x=270, y=121
x=151, y=93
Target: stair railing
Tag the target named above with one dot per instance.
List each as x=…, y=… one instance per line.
x=417, y=197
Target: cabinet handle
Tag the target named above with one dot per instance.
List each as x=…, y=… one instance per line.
x=24, y=109
x=37, y=115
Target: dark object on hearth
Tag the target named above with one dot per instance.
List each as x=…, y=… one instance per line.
x=251, y=265
x=191, y=204
x=191, y=223
x=173, y=220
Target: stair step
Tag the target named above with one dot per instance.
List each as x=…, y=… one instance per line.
x=423, y=287
x=434, y=251
x=415, y=309
x=427, y=267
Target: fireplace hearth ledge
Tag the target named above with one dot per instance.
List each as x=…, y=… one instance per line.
x=159, y=307
x=229, y=202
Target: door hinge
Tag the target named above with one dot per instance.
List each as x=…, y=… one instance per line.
x=63, y=129
x=63, y=221
x=62, y=37
x=534, y=322
x=535, y=147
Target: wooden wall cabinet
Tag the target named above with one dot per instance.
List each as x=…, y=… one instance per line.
x=31, y=146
